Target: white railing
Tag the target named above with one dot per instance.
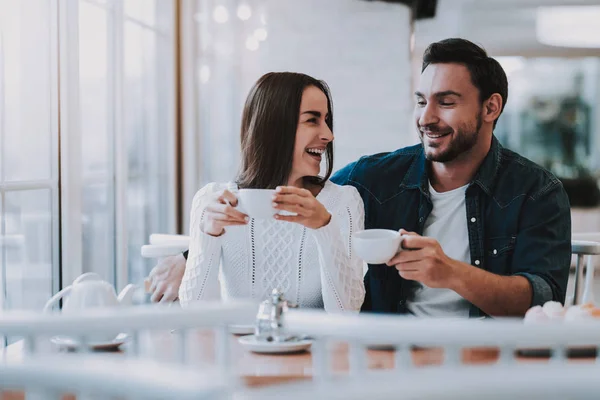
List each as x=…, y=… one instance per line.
x=524, y=382
x=50, y=377
x=452, y=335
x=35, y=326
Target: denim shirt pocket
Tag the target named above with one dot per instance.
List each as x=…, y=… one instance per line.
x=499, y=251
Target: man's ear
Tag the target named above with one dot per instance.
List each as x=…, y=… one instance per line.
x=492, y=108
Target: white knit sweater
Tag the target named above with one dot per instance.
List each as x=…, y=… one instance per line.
x=313, y=267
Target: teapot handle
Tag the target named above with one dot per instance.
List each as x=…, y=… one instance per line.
x=88, y=276
x=54, y=299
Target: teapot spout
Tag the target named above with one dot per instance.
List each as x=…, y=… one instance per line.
x=126, y=296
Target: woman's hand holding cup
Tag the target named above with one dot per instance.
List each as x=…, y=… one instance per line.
x=220, y=212
x=307, y=209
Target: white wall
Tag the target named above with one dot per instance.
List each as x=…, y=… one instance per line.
x=360, y=48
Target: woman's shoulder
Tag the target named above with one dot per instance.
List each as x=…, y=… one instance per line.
x=214, y=187
x=340, y=194
x=340, y=189
x=202, y=194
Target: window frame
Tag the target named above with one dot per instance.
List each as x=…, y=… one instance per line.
x=66, y=178
x=52, y=184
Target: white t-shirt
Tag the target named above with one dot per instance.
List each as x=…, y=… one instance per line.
x=447, y=223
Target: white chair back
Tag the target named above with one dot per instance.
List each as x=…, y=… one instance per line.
x=51, y=377
x=403, y=333
x=163, y=245
x=583, y=291
x=524, y=382
x=163, y=238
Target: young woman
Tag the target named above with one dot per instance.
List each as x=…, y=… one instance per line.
x=287, y=129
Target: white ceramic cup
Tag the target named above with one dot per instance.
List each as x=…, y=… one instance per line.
x=256, y=203
x=377, y=246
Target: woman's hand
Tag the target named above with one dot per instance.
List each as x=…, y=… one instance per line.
x=220, y=212
x=310, y=212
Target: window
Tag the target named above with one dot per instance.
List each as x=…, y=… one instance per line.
x=149, y=122
x=87, y=141
x=554, y=125
x=97, y=123
x=28, y=155
x=127, y=95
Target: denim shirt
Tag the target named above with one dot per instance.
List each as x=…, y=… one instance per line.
x=518, y=218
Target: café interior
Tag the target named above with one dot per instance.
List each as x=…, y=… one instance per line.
x=115, y=113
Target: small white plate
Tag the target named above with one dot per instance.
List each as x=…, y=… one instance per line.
x=263, y=347
x=73, y=344
x=240, y=329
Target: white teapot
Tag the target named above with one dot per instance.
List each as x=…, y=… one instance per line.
x=90, y=291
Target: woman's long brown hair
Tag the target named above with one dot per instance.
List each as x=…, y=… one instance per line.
x=268, y=132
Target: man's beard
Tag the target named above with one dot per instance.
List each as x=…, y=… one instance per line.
x=463, y=140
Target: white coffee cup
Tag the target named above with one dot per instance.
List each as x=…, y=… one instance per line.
x=377, y=246
x=256, y=203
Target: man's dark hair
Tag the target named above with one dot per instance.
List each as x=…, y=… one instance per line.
x=487, y=74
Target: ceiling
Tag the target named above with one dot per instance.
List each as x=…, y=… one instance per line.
x=503, y=27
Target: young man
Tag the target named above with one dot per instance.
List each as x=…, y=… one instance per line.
x=489, y=231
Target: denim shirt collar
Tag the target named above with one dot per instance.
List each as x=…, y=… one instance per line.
x=417, y=175
x=488, y=170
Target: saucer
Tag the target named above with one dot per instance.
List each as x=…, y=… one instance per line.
x=241, y=329
x=71, y=344
x=258, y=346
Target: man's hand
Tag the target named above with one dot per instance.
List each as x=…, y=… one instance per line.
x=165, y=279
x=422, y=259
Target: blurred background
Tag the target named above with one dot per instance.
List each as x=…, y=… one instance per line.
x=113, y=113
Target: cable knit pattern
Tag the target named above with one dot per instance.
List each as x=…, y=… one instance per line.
x=314, y=267
x=275, y=241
